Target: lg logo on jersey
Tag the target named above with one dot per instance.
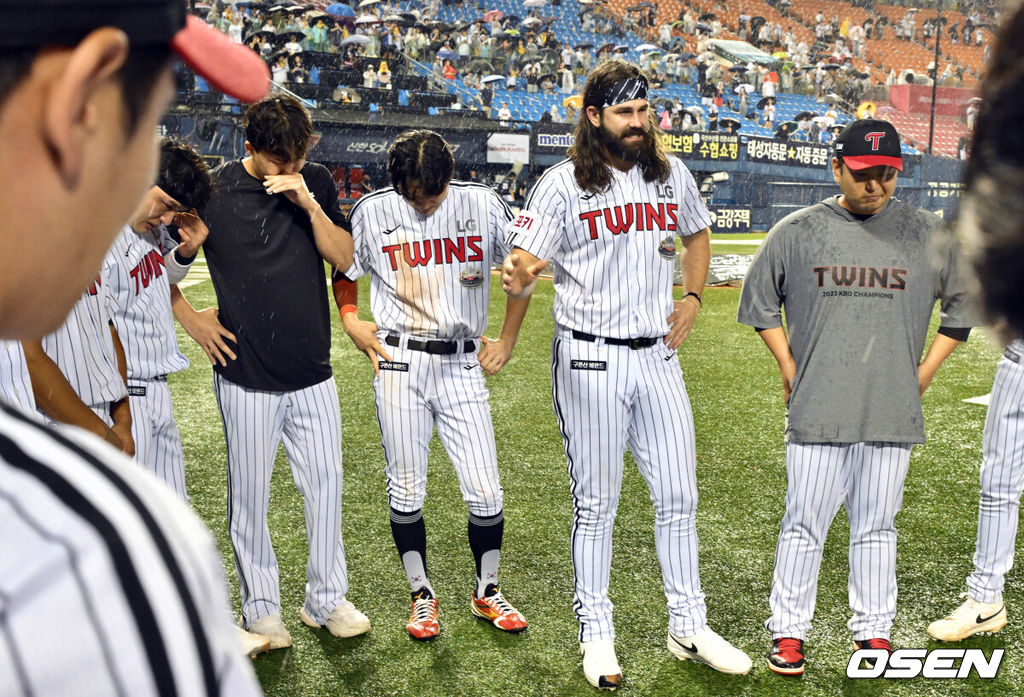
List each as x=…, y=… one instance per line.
x=465, y=225
x=938, y=663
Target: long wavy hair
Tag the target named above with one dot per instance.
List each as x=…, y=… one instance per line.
x=992, y=210
x=592, y=170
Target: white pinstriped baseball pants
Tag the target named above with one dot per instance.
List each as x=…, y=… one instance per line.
x=866, y=477
x=1002, y=480
x=638, y=399
x=157, y=440
x=449, y=391
x=309, y=423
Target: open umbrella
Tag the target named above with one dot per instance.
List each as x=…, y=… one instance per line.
x=584, y=46
x=694, y=111
x=786, y=129
x=481, y=65
x=492, y=78
x=700, y=26
x=368, y=19
x=780, y=55
x=534, y=3
x=447, y=54
x=738, y=69
x=510, y=20
x=367, y=3
x=884, y=109
x=685, y=56
x=729, y=124
x=830, y=66
x=621, y=48
x=574, y=100
x=340, y=9
x=492, y=15
x=263, y=34
x=358, y=39
x=707, y=17
x=286, y=36
x=744, y=88
x=530, y=21
x=804, y=115
x=644, y=48
x=605, y=47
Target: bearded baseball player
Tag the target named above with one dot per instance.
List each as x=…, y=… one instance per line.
x=428, y=244
x=609, y=217
x=858, y=275
x=141, y=266
x=990, y=220
x=274, y=218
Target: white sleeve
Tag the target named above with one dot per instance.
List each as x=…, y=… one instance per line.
x=693, y=214
x=176, y=271
x=539, y=227
x=360, y=254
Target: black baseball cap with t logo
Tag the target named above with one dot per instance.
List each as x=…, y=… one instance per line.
x=869, y=143
x=232, y=68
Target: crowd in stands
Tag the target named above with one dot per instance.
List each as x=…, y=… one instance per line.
x=370, y=48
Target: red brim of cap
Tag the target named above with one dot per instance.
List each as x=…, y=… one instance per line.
x=859, y=162
x=231, y=68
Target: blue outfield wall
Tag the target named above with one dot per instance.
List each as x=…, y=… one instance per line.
x=767, y=178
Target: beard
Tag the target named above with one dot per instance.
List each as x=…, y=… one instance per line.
x=618, y=147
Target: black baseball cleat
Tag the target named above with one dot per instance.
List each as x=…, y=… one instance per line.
x=874, y=644
x=787, y=656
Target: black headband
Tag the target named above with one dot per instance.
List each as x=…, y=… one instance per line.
x=619, y=92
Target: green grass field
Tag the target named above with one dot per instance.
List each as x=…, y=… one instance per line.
x=736, y=396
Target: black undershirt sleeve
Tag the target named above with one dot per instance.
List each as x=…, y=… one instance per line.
x=955, y=333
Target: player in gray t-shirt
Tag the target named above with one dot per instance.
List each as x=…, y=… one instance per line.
x=858, y=275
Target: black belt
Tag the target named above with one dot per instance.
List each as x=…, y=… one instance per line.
x=1011, y=355
x=436, y=347
x=642, y=342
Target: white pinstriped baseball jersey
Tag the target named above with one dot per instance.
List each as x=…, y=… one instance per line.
x=108, y=586
x=15, y=382
x=139, y=300
x=616, y=263
x=435, y=287
x=84, y=351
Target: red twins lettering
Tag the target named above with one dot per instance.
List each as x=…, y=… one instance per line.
x=151, y=266
x=442, y=251
x=640, y=216
x=94, y=287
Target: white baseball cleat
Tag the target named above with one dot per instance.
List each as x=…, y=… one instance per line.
x=274, y=630
x=970, y=618
x=345, y=621
x=252, y=644
x=706, y=646
x=600, y=666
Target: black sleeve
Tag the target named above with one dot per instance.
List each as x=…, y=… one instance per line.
x=955, y=333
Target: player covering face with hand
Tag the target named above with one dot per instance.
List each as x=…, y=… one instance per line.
x=609, y=216
x=428, y=243
x=858, y=275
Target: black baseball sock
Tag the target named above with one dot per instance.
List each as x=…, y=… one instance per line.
x=485, y=534
x=410, y=533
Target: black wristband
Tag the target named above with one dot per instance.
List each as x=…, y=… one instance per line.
x=699, y=301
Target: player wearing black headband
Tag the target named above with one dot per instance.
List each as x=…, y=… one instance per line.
x=609, y=215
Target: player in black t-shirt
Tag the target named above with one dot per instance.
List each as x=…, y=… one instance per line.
x=274, y=218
